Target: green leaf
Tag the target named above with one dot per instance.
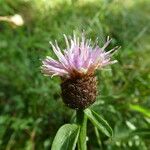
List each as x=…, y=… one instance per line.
x=140, y=109
x=99, y=122
x=66, y=137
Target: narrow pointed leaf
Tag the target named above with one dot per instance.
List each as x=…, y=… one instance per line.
x=66, y=137
x=140, y=109
x=99, y=122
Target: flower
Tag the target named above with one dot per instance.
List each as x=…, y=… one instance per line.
x=76, y=66
x=80, y=58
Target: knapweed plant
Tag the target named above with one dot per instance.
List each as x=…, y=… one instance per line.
x=76, y=66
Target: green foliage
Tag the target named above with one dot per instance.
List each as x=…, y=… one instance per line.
x=66, y=137
x=31, y=110
x=99, y=122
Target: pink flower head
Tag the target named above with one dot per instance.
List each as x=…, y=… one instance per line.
x=79, y=59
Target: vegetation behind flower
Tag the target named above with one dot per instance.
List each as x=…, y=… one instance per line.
x=30, y=115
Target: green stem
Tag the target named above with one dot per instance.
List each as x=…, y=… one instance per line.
x=82, y=122
x=98, y=138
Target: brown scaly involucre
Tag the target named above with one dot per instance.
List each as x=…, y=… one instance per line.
x=79, y=93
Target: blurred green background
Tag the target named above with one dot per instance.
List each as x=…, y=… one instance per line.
x=31, y=109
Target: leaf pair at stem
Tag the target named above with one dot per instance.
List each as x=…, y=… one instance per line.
x=71, y=134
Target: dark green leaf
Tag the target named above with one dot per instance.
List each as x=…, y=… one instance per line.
x=66, y=137
x=99, y=122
